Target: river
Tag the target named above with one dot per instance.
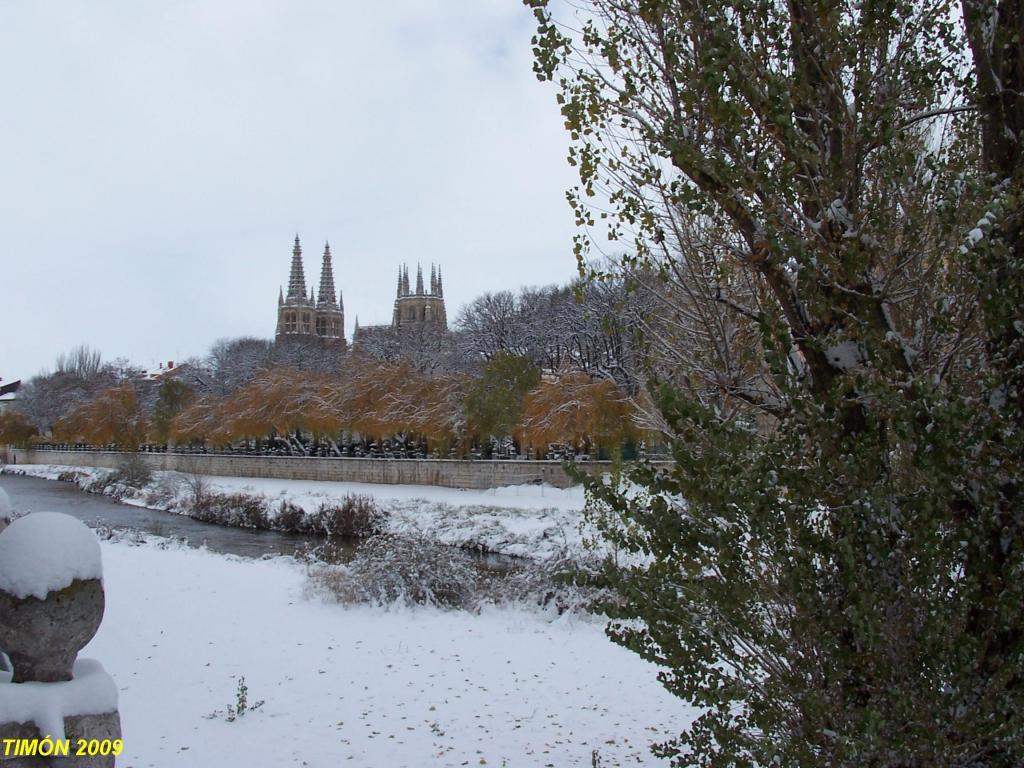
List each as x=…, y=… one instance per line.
x=32, y=494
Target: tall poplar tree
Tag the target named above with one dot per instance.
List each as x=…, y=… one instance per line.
x=831, y=196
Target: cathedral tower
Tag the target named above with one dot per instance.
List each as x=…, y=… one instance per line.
x=424, y=307
x=295, y=310
x=330, y=309
x=301, y=315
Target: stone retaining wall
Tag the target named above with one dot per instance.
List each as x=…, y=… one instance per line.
x=444, y=472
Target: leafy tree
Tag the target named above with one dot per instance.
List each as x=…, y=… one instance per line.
x=576, y=410
x=494, y=400
x=112, y=417
x=200, y=420
x=833, y=210
x=16, y=429
x=381, y=400
x=172, y=397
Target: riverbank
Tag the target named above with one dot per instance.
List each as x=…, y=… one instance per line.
x=364, y=685
x=539, y=522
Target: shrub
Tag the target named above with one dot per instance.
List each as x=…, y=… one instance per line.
x=291, y=518
x=163, y=493
x=198, y=487
x=133, y=472
x=402, y=569
x=565, y=584
x=355, y=517
x=240, y=510
x=106, y=483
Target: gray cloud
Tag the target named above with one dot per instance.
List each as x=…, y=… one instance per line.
x=160, y=157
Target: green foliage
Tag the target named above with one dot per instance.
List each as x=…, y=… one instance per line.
x=173, y=397
x=494, y=401
x=822, y=593
x=240, y=707
x=833, y=568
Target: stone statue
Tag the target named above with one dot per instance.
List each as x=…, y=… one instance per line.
x=51, y=605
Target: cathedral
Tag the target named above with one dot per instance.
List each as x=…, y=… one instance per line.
x=321, y=316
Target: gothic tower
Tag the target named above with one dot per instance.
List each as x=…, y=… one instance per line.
x=301, y=315
x=330, y=308
x=424, y=307
x=295, y=310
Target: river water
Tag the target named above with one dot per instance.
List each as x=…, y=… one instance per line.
x=32, y=494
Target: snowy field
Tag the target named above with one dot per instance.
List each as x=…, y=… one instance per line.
x=363, y=686
x=535, y=521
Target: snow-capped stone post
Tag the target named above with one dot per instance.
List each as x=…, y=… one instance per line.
x=51, y=604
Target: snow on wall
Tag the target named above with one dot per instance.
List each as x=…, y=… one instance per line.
x=46, y=551
x=5, y=505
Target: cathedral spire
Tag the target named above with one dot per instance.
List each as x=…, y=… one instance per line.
x=419, y=280
x=280, y=296
x=398, y=292
x=433, y=280
x=327, y=292
x=297, y=278
x=440, y=287
x=405, y=280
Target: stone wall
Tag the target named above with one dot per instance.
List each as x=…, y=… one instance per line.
x=443, y=472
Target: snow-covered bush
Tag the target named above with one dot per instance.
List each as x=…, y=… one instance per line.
x=198, y=487
x=402, y=569
x=164, y=491
x=103, y=482
x=565, y=584
x=291, y=517
x=69, y=476
x=357, y=516
x=240, y=510
x=133, y=472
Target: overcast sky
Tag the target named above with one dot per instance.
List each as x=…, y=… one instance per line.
x=159, y=157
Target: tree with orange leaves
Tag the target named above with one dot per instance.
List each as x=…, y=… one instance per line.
x=200, y=420
x=16, y=429
x=576, y=410
x=112, y=417
x=385, y=399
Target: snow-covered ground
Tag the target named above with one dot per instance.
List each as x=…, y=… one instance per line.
x=536, y=521
x=360, y=686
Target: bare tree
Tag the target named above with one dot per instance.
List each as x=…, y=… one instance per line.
x=82, y=361
x=234, y=362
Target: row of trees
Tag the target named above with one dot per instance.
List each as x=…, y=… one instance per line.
x=575, y=328
x=370, y=400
